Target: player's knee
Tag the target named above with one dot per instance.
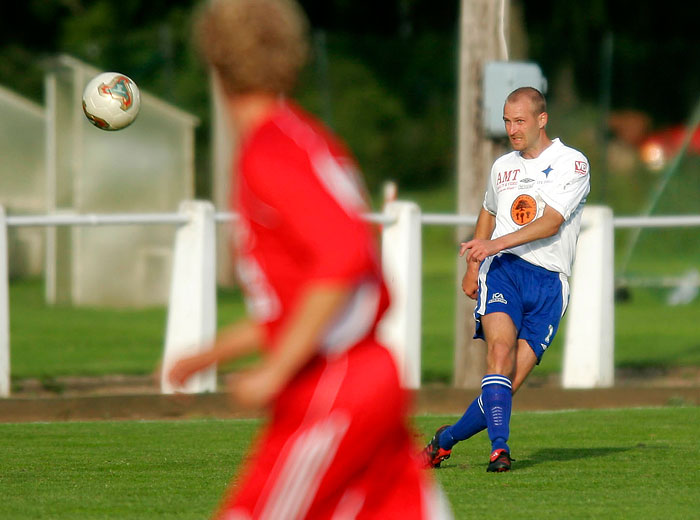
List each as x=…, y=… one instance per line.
x=501, y=357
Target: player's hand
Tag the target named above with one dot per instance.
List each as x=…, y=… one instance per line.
x=478, y=249
x=183, y=369
x=470, y=282
x=255, y=388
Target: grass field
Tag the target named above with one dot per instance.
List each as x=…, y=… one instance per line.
x=637, y=463
x=47, y=342
x=648, y=332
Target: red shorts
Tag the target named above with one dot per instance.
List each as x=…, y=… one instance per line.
x=337, y=446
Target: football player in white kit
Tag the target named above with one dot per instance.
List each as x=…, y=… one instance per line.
x=517, y=268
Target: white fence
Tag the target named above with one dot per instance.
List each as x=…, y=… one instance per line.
x=589, y=343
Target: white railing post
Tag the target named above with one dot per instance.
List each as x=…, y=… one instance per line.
x=590, y=332
x=191, y=324
x=400, y=330
x=4, y=310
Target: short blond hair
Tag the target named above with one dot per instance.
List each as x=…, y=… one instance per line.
x=253, y=45
x=536, y=98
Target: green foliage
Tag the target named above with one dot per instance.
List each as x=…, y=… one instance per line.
x=649, y=41
x=391, y=100
x=390, y=83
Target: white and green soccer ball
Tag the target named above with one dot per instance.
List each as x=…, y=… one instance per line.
x=111, y=101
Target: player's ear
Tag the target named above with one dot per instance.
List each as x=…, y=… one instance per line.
x=542, y=119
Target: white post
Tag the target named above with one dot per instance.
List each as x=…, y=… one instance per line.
x=400, y=330
x=590, y=334
x=4, y=311
x=191, y=325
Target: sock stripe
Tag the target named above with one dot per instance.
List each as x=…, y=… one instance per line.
x=497, y=397
x=481, y=404
x=496, y=380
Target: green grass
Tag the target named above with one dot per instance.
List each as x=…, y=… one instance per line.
x=583, y=464
x=55, y=341
x=118, y=470
x=51, y=341
x=648, y=332
x=636, y=463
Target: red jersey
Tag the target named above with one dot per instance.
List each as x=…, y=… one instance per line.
x=336, y=445
x=300, y=202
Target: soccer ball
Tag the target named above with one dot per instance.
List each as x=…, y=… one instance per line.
x=111, y=101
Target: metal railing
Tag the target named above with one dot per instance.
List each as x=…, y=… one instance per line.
x=400, y=243
x=427, y=219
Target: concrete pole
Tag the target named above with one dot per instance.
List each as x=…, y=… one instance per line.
x=482, y=35
x=223, y=142
x=400, y=329
x=191, y=323
x=4, y=310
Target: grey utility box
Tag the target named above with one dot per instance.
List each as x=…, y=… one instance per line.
x=500, y=79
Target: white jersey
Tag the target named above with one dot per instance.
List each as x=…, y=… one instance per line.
x=519, y=190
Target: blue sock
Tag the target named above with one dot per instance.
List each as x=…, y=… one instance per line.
x=471, y=423
x=497, y=398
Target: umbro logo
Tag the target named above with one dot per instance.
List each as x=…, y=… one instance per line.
x=498, y=298
x=526, y=183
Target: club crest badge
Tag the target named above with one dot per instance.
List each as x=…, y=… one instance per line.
x=523, y=210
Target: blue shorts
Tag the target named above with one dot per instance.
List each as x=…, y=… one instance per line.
x=533, y=297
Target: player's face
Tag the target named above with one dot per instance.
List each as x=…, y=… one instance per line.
x=523, y=126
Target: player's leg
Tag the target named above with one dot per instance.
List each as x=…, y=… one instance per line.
x=440, y=446
x=525, y=361
x=287, y=462
x=375, y=467
x=543, y=313
x=498, y=307
x=500, y=335
x=540, y=320
x=350, y=452
x=496, y=386
x=473, y=420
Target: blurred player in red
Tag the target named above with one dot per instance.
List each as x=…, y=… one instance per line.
x=337, y=444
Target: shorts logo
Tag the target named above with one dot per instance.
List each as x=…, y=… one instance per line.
x=581, y=167
x=498, y=298
x=523, y=210
x=547, y=339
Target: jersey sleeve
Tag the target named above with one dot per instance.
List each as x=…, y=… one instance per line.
x=491, y=198
x=572, y=185
x=319, y=205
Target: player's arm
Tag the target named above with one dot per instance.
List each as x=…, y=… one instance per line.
x=296, y=345
x=484, y=228
x=235, y=341
x=545, y=226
